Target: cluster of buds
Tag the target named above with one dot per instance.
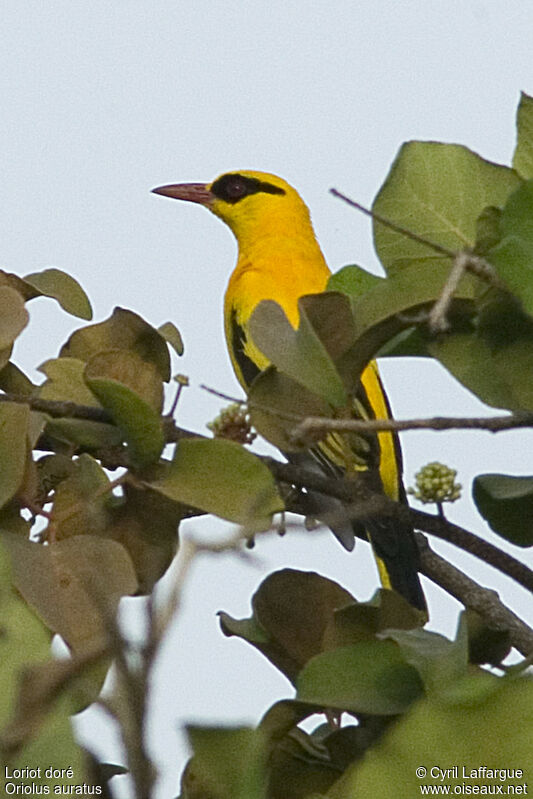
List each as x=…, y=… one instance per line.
x=435, y=482
x=233, y=423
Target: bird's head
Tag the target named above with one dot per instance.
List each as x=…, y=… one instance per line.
x=246, y=201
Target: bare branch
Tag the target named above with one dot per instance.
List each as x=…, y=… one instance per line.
x=493, y=424
x=58, y=408
x=437, y=320
x=363, y=504
x=463, y=262
x=484, y=601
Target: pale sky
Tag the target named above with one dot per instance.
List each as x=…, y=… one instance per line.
x=102, y=101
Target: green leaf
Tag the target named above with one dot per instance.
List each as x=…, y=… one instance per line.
x=361, y=621
x=437, y=191
x=65, y=382
x=356, y=282
x=300, y=354
x=13, y=316
x=45, y=738
x=172, y=335
x=513, y=255
x=277, y=403
x=506, y=502
x=24, y=637
x=353, y=280
x=488, y=229
x=222, y=478
x=282, y=717
x=73, y=584
x=499, y=376
x=14, y=428
x=14, y=381
x=523, y=154
x=124, y=330
x=303, y=765
x=369, y=677
x=228, y=763
x=439, y=662
x=84, y=433
x=486, y=644
x=131, y=390
x=65, y=289
x=130, y=370
x=490, y=728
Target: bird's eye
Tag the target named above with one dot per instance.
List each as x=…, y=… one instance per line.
x=232, y=187
x=236, y=188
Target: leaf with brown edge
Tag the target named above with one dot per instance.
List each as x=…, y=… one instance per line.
x=124, y=330
x=146, y=524
x=82, y=501
x=74, y=585
x=129, y=369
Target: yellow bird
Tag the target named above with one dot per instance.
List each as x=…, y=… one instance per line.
x=280, y=259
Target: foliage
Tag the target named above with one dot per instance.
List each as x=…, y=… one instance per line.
x=87, y=470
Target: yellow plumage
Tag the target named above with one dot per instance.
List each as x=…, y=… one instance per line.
x=280, y=259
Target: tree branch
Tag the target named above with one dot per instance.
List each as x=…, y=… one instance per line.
x=363, y=504
x=57, y=408
x=493, y=424
x=484, y=601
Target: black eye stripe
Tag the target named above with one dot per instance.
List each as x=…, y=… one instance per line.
x=233, y=187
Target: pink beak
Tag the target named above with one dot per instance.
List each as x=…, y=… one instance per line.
x=191, y=192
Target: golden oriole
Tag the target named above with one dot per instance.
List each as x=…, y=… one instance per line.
x=280, y=259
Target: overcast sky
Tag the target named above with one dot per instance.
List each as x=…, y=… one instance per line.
x=102, y=101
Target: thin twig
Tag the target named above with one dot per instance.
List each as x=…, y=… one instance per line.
x=437, y=319
x=222, y=395
x=475, y=264
x=393, y=226
x=493, y=424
